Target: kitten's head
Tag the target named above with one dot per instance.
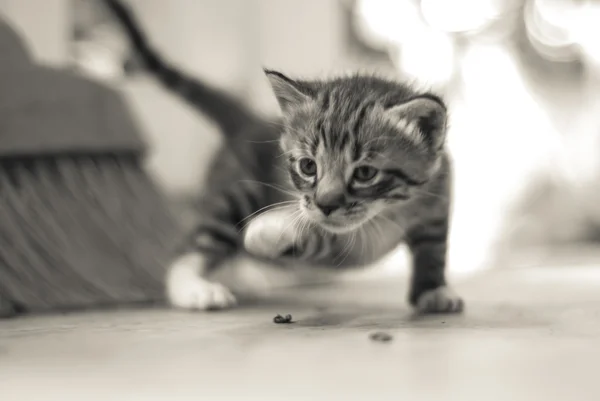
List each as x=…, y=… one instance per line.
x=357, y=145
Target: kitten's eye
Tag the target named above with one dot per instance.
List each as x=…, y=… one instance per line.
x=364, y=173
x=308, y=167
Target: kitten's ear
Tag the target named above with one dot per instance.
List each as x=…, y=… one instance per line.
x=288, y=92
x=424, y=117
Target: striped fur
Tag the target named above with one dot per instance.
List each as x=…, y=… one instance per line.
x=356, y=166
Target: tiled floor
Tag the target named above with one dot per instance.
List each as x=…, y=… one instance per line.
x=528, y=335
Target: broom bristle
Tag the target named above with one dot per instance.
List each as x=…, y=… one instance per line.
x=81, y=232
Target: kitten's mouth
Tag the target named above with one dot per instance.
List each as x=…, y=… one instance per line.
x=335, y=225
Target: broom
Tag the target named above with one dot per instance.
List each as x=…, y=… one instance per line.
x=81, y=223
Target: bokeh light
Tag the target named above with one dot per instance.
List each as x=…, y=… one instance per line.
x=385, y=22
x=460, y=15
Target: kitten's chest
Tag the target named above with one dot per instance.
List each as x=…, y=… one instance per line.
x=374, y=241
x=387, y=236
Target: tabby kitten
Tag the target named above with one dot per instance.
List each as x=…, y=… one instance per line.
x=356, y=166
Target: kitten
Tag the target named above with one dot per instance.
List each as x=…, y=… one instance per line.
x=356, y=166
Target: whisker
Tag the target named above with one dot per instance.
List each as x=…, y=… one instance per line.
x=273, y=186
x=247, y=223
x=267, y=141
x=367, y=242
x=285, y=153
x=282, y=170
x=280, y=124
x=393, y=223
x=439, y=196
x=295, y=218
x=295, y=234
x=274, y=206
x=286, y=127
x=363, y=242
x=348, y=247
x=300, y=234
x=341, y=251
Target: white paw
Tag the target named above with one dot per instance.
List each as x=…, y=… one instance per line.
x=187, y=289
x=440, y=300
x=270, y=234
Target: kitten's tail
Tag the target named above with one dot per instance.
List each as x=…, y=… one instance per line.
x=228, y=113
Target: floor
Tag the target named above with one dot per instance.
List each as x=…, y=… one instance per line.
x=528, y=334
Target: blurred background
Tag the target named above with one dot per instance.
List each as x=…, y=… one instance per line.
x=521, y=78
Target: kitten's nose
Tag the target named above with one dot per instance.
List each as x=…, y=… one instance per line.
x=330, y=195
x=329, y=204
x=327, y=209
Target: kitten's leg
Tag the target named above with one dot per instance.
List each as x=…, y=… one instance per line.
x=188, y=289
x=272, y=233
x=187, y=286
x=429, y=292
x=277, y=235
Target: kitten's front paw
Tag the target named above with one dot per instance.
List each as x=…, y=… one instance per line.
x=204, y=295
x=271, y=234
x=187, y=289
x=441, y=300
